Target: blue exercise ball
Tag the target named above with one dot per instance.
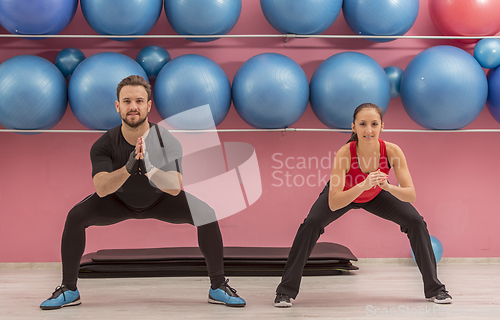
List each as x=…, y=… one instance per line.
x=92, y=88
x=34, y=93
x=493, y=102
x=152, y=59
x=301, y=16
x=487, y=53
x=188, y=82
x=36, y=17
x=270, y=91
x=443, y=87
x=437, y=248
x=121, y=17
x=204, y=17
x=68, y=59
x=344, y=81
x=380, y=17
x=394, y=74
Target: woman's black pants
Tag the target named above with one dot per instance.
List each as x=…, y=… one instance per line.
x=384, y=205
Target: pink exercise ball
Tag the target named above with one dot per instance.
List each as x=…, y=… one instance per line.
x=466, y=17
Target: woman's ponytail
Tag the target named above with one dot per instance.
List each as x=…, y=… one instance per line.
x=354, y=137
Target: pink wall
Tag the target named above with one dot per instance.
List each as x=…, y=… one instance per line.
x=43, y=176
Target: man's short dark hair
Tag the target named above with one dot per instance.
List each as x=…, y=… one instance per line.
x=133, y=81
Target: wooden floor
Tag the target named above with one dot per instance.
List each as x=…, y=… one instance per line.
x=376, y=290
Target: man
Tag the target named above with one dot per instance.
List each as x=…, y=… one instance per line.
x=137, y=174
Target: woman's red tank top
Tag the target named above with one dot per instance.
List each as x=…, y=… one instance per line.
x=355, y=176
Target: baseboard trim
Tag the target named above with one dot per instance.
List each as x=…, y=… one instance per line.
x=30, y=265
x=447, y=260
x=401, y=261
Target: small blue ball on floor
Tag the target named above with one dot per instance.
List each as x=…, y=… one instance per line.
x=437, y=247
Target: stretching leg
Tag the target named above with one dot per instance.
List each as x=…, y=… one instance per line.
x=186, y=208
x=93, y=210
x=308, y=234
x=388, y=207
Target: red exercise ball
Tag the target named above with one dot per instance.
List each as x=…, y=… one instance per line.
x=466, y=17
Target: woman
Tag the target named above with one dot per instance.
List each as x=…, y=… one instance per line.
x=359, y=180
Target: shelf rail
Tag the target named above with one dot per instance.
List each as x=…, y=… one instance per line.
x=263, y=130
x=286, y=36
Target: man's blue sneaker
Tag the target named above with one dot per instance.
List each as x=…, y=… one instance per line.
x=61, y=297
x=225, y=295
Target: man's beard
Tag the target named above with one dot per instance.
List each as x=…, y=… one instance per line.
x=133, y=125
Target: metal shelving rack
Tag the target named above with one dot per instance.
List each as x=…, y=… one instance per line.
x=286, y=37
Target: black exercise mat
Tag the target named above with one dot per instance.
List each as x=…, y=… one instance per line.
x=322, y=250
x=128, y=271
x=326, y=259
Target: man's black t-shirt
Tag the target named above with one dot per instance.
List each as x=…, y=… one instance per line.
x=111, y=152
